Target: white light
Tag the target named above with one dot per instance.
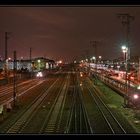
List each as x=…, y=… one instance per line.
x=123, y=47
x=60, y=61
x=93, y=58
x=135, y=96
x=81, y=74
x=38, y=61
x=82, y=61
x=118, y=67
x=138, y=87
x=124, y=51
x=39, y=74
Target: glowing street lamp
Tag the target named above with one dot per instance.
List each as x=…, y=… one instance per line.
x=123, y=47
x=9, y=58
x=60, y=62
x=138, y=87
x=112, y=66
x=118, y=67
x=93, y=57
x=125, y=51
x=82, y=61
x=135, y=96
x=39, y=61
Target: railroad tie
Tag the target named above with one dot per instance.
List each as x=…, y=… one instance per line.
x=15, y=128
x=50, y=128
x=61, y=126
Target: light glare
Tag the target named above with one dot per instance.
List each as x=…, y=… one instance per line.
x=135, y=96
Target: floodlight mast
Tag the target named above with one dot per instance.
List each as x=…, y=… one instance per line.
x=126, y=19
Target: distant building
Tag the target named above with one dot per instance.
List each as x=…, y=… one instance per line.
x=41, y=63
x=37, y=64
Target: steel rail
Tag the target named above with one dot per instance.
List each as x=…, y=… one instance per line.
x=59, y=119
x=20, y=88
x=29, y=110
x=50, y=122
x=35, y=112
x=97, y=97
x=69, y=120
x=83, y=109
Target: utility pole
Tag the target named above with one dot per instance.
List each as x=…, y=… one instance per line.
x=6, y=37
x=88, y=61
x=126, y=19
x=14, y=83
x=6, y=53
x=139, y=70
x=31, y=61
x=30, y=54
x=94, y=45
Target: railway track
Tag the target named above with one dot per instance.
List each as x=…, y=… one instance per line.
x=23, y=118
x=113, y=124
x=53, y=120
x=23, y=123
x=61, y=108
x=7, y=90
x=78, y=119
x=7, y=94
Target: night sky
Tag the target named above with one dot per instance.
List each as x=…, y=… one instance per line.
x=65, y=32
